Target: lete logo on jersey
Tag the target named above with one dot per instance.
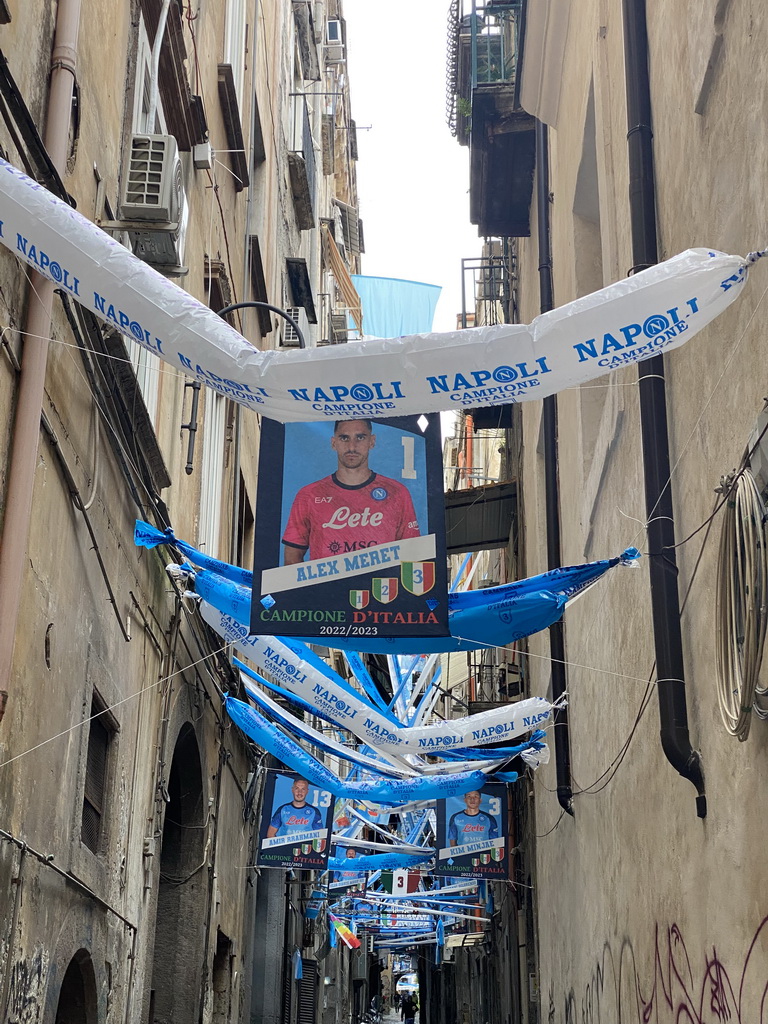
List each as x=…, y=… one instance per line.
x=343, y=516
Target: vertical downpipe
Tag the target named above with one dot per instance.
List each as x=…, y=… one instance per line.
x=29, y=399
x=551, y=479
x=665, y=602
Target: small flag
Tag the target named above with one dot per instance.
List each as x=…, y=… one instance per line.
x=345, y=933
x=359, y=598
x=418, y=577
x=384, y=588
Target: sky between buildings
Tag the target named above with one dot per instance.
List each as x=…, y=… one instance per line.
x=413, y=177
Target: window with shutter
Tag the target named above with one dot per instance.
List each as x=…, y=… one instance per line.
x=96, y=775
x=349, y=226
x=307, y=1009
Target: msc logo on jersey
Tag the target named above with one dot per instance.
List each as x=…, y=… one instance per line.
x=384, y=588
x=418, y=577
x=359, y=598
x=379, y=493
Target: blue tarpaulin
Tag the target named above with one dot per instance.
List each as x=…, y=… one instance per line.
x=393, y=308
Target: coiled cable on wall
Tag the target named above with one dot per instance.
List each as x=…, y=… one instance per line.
x=741, y=605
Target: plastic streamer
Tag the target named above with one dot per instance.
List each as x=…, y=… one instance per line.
x=493, y=616
x=363, y=677
x=638, y=317
x=366, y=722
x=147, y=536
x=380, y=861
x=383, y=791
x=359, y=758
x=299, y=728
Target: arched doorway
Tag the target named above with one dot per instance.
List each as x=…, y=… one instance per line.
x=183, y=891
x=77, y=997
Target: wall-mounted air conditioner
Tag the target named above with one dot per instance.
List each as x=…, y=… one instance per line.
x=288, y=336
x=153, y=194
x=339, y=328
x=334, y=41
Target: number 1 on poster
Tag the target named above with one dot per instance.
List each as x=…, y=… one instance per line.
x=409, y=461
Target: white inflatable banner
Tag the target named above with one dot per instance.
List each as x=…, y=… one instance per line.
x=633, y=319
x=367, y=723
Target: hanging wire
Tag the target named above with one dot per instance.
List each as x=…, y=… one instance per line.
x=741, y=612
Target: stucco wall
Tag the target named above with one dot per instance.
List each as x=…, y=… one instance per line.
x=643, y=907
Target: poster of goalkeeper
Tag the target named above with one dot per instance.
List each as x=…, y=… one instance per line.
x=350, y=530
x=472, y=834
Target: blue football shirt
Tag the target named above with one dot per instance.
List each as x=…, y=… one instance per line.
x=289, y=819
x=466, y=828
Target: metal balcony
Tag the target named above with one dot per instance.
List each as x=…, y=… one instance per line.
x=485, y=41
x=302, y=166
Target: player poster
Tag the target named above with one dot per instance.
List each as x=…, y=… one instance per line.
x=350, y=530
x=295, y=823
x=350, y=881
x=472, y=834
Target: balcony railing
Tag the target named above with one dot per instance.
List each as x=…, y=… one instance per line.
x=492, y=683
x=483, y=48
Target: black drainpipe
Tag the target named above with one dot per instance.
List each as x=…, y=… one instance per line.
x=551, y=479
x=665, y=602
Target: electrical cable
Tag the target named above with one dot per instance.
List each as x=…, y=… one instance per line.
x=741, y=606
x=593, y=788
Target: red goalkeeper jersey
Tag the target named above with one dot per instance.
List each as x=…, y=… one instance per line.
x=330, y=518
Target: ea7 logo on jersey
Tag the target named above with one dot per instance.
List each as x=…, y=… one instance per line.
x=323, y=499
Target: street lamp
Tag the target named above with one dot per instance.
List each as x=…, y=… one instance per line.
x=195, y=385
x=267, y=305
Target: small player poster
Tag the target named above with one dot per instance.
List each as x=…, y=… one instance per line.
x=295, y=824
x=349, y=881
x=350, y=530
x=472, y=834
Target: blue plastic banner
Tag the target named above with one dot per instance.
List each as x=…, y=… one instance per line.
x=383, y=861
x=378, y=765
x=303, y=731
x=384, y=791
x=351, y=711
x=491, y=617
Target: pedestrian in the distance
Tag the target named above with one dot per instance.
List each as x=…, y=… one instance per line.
x=408, y=1009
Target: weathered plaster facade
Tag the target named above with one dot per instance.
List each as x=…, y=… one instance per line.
x=154, y=918
x=645, y=910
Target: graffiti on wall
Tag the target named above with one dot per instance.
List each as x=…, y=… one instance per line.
x=681, y=986
x=25, y=990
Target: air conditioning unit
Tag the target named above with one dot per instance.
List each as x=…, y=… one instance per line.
x=153, y=193
x=289, y=338
x=334, y=41
x=339, y=328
